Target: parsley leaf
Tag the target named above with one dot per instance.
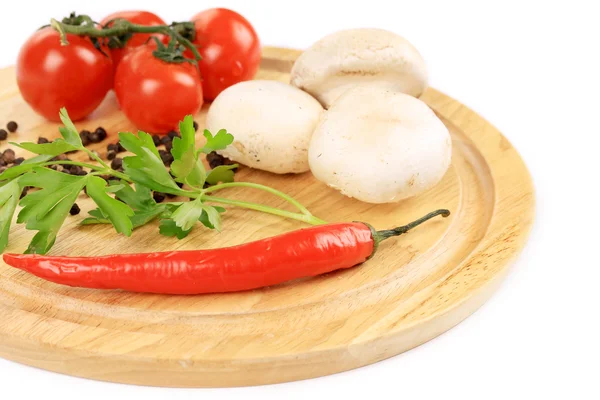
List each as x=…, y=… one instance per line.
x=187, y=214
x=146, y=168
x=59, y=146
x=211, y=217
x=46, y=210
x=221, y=173
x=69, y=132
x=117, y=212
x=25, y=166
x=9, y=198
x=169, y=228
x=186, y=167
x=217, y=142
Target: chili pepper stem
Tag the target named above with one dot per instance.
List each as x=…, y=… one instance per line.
x=379, y=236
x=276, y=192
x=388, y=233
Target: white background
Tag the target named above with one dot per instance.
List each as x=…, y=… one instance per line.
x=530, y=68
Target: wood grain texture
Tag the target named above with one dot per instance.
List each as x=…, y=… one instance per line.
x=417, y=287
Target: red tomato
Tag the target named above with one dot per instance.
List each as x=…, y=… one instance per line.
x=230, y=49
x=155, y=95
x=51, y=76
x=145, y=18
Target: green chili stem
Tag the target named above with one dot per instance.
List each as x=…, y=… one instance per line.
x=276, y=192
x=310, y=219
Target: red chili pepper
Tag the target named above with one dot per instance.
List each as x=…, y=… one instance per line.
x=306, y=252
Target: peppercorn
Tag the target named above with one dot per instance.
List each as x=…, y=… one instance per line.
x=75, y=169
x=85, y=137
x=111, y=155
x=112, y=147
x=9, y=156
x=120, y=148
x=19, y=161
x=172, y=134
x=94, y=137
x=195, y=126
x=158, y=197
x=79, y=172
x=117, y=163
x=74, y=209
x=24, y=191
x=166, y=157
x=214, y=160
x=12, y=126
x=42, y=140
x=3, y=134
x=165, y=140
x=168, y=146
x=2, y=162
x=62, y=157
x=101, y=132
x=156, y=140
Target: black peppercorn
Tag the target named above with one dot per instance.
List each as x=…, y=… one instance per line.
x=85, y=137
x=74, y=209
x=94, y=137
x=81, y=172
x=158, y=197
x=19, y=161
x=112, y=147
x=165, y=139
x=120, y=148
x=172, y=134
x=9, y=156
x=75, y=169
x=117, y=163
x=24, y=191
x=166, y=157
x=3, y=134
x=101, y=132
x=111, y=155
x=168, y=146
x=195, y=126
x=42, y=140
x=156, y=140
x=12, y=126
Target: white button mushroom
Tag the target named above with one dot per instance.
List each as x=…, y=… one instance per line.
x=357, y=57
x=272, y=123
x=379, y=146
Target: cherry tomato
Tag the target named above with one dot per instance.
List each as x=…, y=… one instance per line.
x=230, y=49
x=154, y=94
x=145, y=18
x=51, y=76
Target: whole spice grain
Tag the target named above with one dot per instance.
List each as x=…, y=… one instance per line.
x=19, y=161
x=173, y=134
x=165, y=140
x=158, y=197
x=111, y=155
x=101, y=132
x=12, y=126
x=9, y=156
x=74, y=209
x=3, y=134
x=116, y=163
x=156, y=140
x=42, y=140
x=85, y=137
x=195, y=126
x=166, y=157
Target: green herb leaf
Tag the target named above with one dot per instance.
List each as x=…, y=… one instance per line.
x=217, y=142
x=187, y=139
x=168, y=227
x=46, y=210
x=138, y=199
x=9, y=198
x=25, y=166
x=146, y=168
x=187, y=214
x=59, y=146
x=222, y=173
x=69, y=132
x=117, y=212
x=211, y=217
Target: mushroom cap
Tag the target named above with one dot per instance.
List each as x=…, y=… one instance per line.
x=272, y=123
x=357, y=57
x=379, y=146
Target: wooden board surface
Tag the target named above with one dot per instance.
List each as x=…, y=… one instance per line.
x=417, y=287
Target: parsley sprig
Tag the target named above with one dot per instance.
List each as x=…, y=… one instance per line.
x=127, y=202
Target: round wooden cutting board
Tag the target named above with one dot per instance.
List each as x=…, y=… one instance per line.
x=418, y=285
